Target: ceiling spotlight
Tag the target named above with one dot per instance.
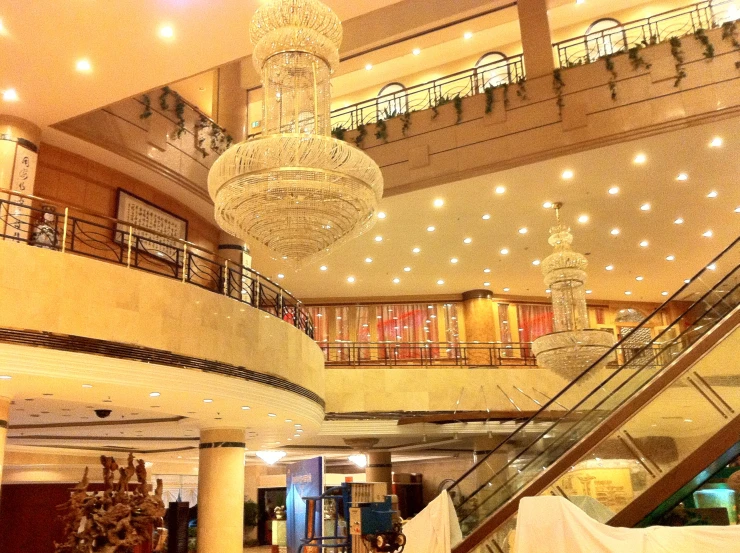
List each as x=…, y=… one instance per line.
x=670, y=258
x=5, y=377
x=589, y=291
x=640, y=158
x=614, y=190
x=737, y=209
x=154, y=394
x=609, y=267
x=207, y=401
x=614, y=231
x=486, y=284
x=271, y=415
x=547, y=205
x=712, y=267
x=707, y=234
x=359, y=459
x=523, y=230
x=579, y=2
x=548, y=291
x=500, y=189
x=245, y=407
x=439, y=202
x=486, y=270
x=166, y=31
x=381, y=214
x=407, y=269
x=467, y=240
x=378, y=238
x=83, y=66
x=396, y=280
x=644, y=244
x=369, y=66
x=682, y=177
x=281, y=275
x=627, y=293
x=639, y=278
x=507, y=289
x=712, y=194
x=568, y=174
x=645, y=207
x=716, y=142
x=536, y=262
x=468, y=35
x=368, y=260
x=664, y=293
x=350, y=279
x=87, y=385
x=678, y=221
x=583, y=219
x=271, y=456
x=416, y=51
x=430, y=229
x=322, y=268
x=416, y=250
x=10, y=95
x=486, y=217
x=440, y=282
x=453, y=260
x=504, y=251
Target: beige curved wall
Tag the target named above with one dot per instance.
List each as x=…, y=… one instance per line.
x=69, y=294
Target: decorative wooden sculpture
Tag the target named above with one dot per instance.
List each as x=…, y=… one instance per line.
x=116, y=520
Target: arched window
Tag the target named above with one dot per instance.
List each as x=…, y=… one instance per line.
x=491, y=70
x=392, y=100
x=604, y=37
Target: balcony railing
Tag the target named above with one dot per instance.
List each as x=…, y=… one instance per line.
x=644, y=32
x=30, y=219
x=431, y=94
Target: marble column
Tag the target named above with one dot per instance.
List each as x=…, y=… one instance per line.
x=221, y=491
x=379, y=468
x=480, y=325
x=19, y=140
x=536, y=39
x=4, y=408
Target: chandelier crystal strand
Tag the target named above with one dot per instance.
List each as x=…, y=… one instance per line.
x=295, y=188
x=572, y=347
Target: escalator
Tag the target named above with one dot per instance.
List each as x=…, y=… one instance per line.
x=632, y=429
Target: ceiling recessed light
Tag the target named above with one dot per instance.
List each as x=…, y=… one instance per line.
x=547, y=205
x=245, y=407
x=614, y=190
x=523, y=230
x=670, y=258
x=640, y=158
x=583, y=219
x=440, y=281
x=368, y=66
x=589, y=291
x=609, y=267
x=548, y=291
x=166, y=31
x=737, y=209
x=350, y=279
x=368, y=260
x=271, y=415
x=281, y=275
x=10, y=95
x=712, y=194
x=682, y=177
x=536, y=262
x=5, y=377
x=396, y=280
x=207, y=401
x=708, y=234
x=507, y=289
x=716, y=142
x=664, y=293
x=87, y=385
x=154, y=394
x=407, y=269
x=500, y=189
x=567, y=174
x=83, y=66
x=416, y=250
x=486, y=284
x=644, y=244
x=579, y=2
x=614, y=231
x=639, y=278
x=504, y=251
x=486, y=270
x=378, y=238
x=416, y=51
x=381, y=214
x=712, y=267
x=467, y=240
x=678, y=221
x=468, y=35
x=322, y=268
x=453, y=260
x=627, y=293
x=645, y=207
x=439, y=202
x=430, y=229
x=486, y=217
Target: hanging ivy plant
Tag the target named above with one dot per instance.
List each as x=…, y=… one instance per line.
x=505, y=86
x=521, y=88
x=147, y=113
x=702, y=37
x=557, y=86
x=458, y=103
x=489, y=92
x=381, y=131
x=406, y=122
x=180, y=113
x=338, y=132
x=200, y=135
x=163, y=98
x=609, y=62
x=636, y=59
x=441, y=101
x=730, y=33
x=678, y=55
x=361, y=134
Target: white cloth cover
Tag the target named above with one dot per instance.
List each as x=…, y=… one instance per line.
x=435, y=529
x=554, y=525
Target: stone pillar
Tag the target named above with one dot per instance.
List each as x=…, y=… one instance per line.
x=4, y=407
x=19, y=142
x=234, y=250
x=221, y=491
x=480, y=325
x=230, y=109
x=534, y=28
x=379, y=468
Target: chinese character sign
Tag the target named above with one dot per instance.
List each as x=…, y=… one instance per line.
x=16, y=223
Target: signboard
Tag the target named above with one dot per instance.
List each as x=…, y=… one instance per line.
x=16, y=220
x=304, y=479
x=138, y=211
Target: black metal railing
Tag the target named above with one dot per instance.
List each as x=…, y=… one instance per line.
x=431, y=94
x=643, y=32
x=46, y=224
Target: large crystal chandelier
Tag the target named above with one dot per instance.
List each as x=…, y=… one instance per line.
x=572, y=347
x=295, y=189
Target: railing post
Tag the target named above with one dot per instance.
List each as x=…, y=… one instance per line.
x=64, y=229
x=280, y=305
x=257, y=292
x=184, y=262
x=226, y=277
x=128, y=253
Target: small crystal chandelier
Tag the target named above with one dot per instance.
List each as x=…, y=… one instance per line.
x=572, y=347
x=295, y=188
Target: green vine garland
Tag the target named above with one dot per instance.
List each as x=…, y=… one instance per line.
x=702, y=37
x=505, y=86
x=338, y=132
x=730, y=34
x=609, y=62
x=406, y=122
x=361, y=134
x=147, y=113
x=441, y=101
x=489, y=92
x=636, y=59
x=521, y=88
x=557, y=86
x=180, y=113
x=678, y=55
x=458, y=102
x=163, y=98
x=381, y=132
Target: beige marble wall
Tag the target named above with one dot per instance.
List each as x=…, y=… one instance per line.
x=69, y=294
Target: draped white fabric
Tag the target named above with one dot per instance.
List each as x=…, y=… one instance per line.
x=435, y=529
x=567, y=529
